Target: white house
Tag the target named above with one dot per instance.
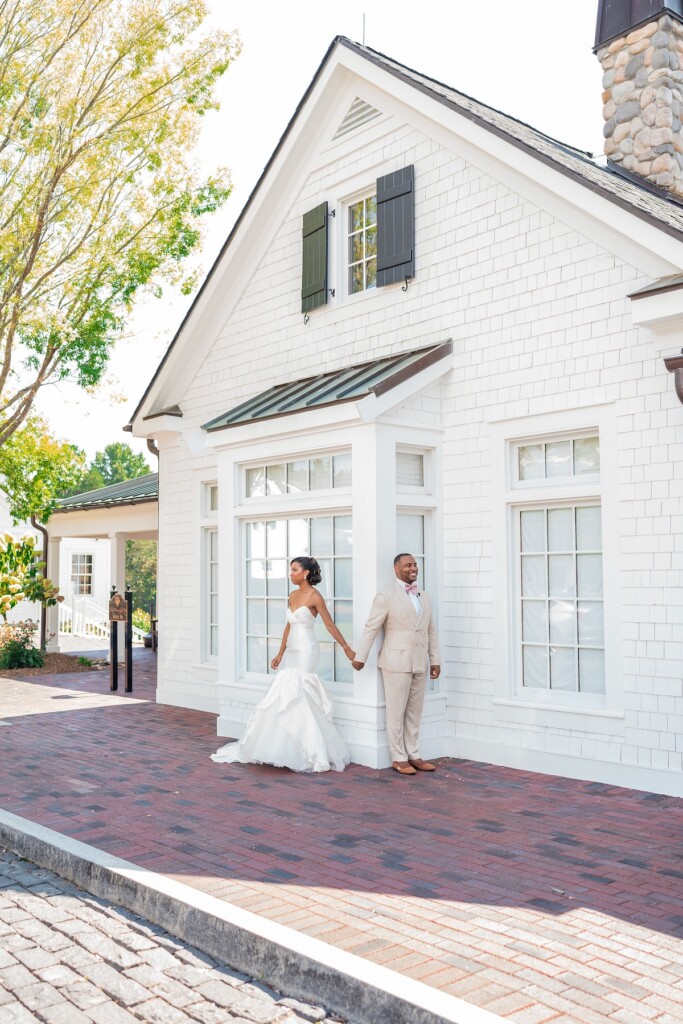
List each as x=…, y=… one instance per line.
x=435, y=329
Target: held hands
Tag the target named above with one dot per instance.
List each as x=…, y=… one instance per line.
x=358, y=665
x=435, y=671
x=349, y=653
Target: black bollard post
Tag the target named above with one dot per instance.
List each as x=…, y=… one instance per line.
x=113, y=655
x=129, y=641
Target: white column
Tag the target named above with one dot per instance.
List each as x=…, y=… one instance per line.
x=374, y=541
x=117, y=578
x=52, y=619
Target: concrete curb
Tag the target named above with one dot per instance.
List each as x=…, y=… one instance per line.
x=303, y=967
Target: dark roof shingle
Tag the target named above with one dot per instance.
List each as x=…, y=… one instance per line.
x=128, y=492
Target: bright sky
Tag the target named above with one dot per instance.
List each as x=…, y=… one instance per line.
x=530, y=58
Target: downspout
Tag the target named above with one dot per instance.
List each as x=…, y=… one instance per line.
x=43, y=609
x=674, y=364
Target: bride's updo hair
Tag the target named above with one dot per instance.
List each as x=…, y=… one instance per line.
x=310, y=564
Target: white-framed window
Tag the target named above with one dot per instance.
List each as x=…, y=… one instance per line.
x=209, y=576
x=81, y=574
x=557, y=564
x=362, y=244
x=269, y=547
x=410, y=538
x=410, y=470
x=298, y=476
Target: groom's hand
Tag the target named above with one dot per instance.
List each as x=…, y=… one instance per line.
x=435, y=672
x=357, y=665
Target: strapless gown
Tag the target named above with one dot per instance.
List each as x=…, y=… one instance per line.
x=292, y=726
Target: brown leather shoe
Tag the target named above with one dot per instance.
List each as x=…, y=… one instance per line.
x=422, y=766
x=403, y=768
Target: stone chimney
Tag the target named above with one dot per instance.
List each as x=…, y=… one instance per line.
x=639, y=44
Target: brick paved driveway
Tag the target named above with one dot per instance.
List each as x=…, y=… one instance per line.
x=540, y=898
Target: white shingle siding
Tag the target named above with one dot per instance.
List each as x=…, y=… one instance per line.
x=541, y=321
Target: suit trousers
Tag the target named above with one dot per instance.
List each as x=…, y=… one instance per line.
x=404, y=693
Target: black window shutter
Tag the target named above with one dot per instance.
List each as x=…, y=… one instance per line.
x=314, y=261
x=395, y=226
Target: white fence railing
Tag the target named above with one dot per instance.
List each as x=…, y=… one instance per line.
x=83, y=617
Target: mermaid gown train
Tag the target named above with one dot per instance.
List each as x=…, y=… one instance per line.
x=292, y=726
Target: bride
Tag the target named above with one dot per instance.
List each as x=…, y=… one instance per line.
x=292, y=726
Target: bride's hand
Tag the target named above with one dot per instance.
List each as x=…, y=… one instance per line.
x=351, y=655
x=276, y=661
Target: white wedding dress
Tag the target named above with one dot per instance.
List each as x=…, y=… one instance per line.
x=292, y=726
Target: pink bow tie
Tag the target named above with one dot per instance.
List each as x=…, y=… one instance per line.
x=411, y=588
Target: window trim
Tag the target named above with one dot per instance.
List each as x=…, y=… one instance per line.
x=208, y=524
x=505, y=435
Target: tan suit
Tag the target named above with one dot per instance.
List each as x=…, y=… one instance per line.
x=409, y=639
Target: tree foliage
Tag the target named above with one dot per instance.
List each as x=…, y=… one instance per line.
x=101, y=102
x=118, y=462
x=35, y=467
x=141, y=571
x=22, y=575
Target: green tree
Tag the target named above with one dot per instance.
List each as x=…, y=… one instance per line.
x=141, y=571
x=116, y=463
x=34, y=469
x=101, y=102
x=21, y=575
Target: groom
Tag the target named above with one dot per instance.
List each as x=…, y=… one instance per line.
x=409, y=636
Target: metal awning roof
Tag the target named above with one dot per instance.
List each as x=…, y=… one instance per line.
x=128, y=492
x=663, y=284
x=345, y=385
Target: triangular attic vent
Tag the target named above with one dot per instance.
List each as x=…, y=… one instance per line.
x=358, y=114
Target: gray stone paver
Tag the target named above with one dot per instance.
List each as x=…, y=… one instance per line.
x=70, y=958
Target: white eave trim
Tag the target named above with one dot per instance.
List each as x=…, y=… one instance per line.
x=658, y=309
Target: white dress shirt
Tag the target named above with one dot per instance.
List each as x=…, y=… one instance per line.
x=415, y=598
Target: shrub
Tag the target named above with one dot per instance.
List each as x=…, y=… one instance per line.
x=84, y=661
x=19, y=650
x=142, y=620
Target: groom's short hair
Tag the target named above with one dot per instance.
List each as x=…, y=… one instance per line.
x=403, y=554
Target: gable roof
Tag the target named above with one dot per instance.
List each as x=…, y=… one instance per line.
x=637, y=196
x=345, y=385
x=128, y=492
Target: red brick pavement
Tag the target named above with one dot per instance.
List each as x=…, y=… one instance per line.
x=540, y=898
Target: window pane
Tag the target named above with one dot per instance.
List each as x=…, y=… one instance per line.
x=531, y=465
x=562, y=622
x=356, y=280
x=343, y=539
x=586, y=455
x=276, y=539
x=321, y=473
x=536, y=667
x=561, y=576
x=533, y=530
x=278, y=578
x=256, y=540
x=275, y=479
x=213, y=640
x=256, y=654
x=326, y=663
x=342, y=470
x=591, y=624
x=589, y=575
x=563, y=668
x=410, y=534
x=343, y=577
x=534, y=582
x=591, y=671
x=371, y=242
x=561, y=529
x=256, y=578
x=343, y=619
x=371, y=210
x=277, y=617
x=213, y=498
x=410, y=469
x=356, y=216
x=535, y=622
x=371, y=273
x=588, y=529
x=558, y=458
x=256, y=482
x=356, y=248
x=298, y=537
x=325, y=585
x=256, y=617
x=213, y=608
x=321, y=536
x=297, y=476
x=213, y=545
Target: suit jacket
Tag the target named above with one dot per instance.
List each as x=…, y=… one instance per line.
x=408, y=638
